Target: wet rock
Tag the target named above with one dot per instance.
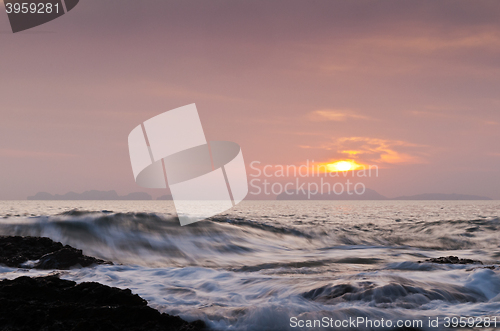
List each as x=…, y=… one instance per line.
x=65, y=258
x=451, y=260
x=15, y=251
x=50, y=303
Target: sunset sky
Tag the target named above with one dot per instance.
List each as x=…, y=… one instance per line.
x=411, y=86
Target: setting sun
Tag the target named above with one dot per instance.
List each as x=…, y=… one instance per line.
x=344, y=165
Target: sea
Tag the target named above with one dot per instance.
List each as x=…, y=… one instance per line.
x=286, y=265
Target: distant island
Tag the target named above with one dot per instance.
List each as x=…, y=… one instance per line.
x=369, y=194
x=441, y=196
x=305, y=195
x=373, y=195
x=91, y=195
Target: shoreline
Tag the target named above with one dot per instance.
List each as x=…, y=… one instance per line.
x=48, y=302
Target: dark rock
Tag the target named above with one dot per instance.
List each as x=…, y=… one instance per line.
x=50, y=303
x=451, y=260
x=65, y=258
x=14, y=251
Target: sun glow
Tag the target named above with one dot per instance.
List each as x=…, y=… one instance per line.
x=344, y=165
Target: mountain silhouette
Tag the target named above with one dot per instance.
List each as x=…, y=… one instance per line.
x=304, y=195
x=91, y=195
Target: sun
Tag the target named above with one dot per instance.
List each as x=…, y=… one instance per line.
x=344, y=165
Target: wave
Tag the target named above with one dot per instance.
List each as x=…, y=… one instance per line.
x=481, y=285
x=307, y=264
x=150, y=238
x=242, y=243
x=263, y=226
x=248, y=273
x=394, y=294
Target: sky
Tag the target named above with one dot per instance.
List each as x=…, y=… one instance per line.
x=409, y=86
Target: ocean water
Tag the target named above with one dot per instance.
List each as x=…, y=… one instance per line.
x=266, y=265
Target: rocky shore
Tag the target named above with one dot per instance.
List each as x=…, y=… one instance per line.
x=51, y=303
x=451, y=260
x=42, y=253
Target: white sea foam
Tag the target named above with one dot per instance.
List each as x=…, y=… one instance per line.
x=254, y=268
